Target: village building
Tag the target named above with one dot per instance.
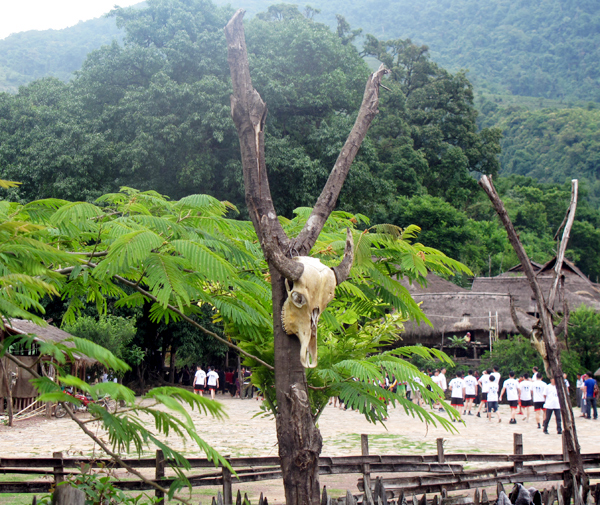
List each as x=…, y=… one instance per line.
x=22, y=391
x=482, y=314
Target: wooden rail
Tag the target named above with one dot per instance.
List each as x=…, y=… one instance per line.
x=427, y=473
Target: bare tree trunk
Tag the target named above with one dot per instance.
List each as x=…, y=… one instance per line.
x=172, y=365
x=299, y=439
x=576, y=480
x=9, y=401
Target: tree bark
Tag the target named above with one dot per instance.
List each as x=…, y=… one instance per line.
x=576, y=480
x=9, y=400
x=299, y=439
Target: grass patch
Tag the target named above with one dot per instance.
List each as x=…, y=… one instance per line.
x=381, y=444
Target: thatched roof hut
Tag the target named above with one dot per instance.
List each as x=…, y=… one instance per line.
x=45, y=334
x=578, y=289
x=459, y=312
x=23, y=392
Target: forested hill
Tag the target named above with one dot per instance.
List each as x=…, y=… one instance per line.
x=27, y=56
x=541, y=48
x=546, y=48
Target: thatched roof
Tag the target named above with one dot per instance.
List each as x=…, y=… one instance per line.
x=519, y=268
x=461, y=311
x=46, y=334
x=579, y=290
x=435, y=284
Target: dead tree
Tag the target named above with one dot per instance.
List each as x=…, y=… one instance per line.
x=299, y=439
x=576, y=480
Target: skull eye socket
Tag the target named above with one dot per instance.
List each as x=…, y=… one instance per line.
x=298, y=299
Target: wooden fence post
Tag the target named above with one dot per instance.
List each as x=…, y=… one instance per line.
x=227, y=491
x=564, y=449
x=364, y=450
x=160, y=472
x=518, y=450
x=440, y=450
x=58, y=468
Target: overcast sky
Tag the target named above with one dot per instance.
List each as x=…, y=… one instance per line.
x=24, y=15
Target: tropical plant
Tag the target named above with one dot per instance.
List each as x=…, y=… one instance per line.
x=127, y=430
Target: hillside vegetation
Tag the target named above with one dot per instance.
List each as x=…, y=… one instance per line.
x=550, y=145
x=27, y=56
x=542, y=48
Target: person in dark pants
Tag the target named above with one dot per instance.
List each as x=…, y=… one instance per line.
x=590, y=399
x=552, y=406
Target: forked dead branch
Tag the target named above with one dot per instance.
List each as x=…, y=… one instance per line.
x=299, y=439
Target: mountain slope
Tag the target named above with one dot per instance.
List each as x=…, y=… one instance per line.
x=27, y=56
x=541, y=48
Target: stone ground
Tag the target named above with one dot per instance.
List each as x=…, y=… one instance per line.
x=244, y=433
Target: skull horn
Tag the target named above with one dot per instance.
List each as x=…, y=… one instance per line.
x=343, y=269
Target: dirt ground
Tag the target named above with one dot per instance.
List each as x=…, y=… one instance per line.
x=248, y=433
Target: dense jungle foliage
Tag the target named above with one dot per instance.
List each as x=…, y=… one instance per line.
x=533, y=48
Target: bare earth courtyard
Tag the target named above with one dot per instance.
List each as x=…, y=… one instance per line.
x=244, y=433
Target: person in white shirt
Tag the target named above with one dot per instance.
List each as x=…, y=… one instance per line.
x=199, y=381
x=437, y=380
x=552, y=406
x=534, y=375
x=443, y=383
x=525, y=390
x=417, y=391
x=578, y=386
x=492, y=398
x=496, y=374
x=539, y=388
x=457, y=388
x=484, y=381
x=212, y=381
x=511, y=387
x=470, y=392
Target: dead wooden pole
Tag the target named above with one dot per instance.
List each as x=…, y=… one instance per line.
x=227, y=489
x=364, y=450
x=300, y=441
x=577, y=482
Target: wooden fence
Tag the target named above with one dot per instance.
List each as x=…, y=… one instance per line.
x=394, y=476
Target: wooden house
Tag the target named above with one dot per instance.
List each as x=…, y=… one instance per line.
x=23, y=392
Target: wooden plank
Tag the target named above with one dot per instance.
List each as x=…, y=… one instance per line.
x=32, y=486
x=17, y=462
x=478, y=483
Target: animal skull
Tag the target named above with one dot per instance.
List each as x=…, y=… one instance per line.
x=307, y=299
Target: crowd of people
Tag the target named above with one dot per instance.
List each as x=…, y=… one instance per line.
x=474, y=394
x=214, y=380
x=480, y=394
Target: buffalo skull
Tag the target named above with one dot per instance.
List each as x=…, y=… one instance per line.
x=308, y=296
